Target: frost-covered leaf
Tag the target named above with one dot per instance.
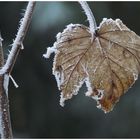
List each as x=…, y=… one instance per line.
x=108, y=63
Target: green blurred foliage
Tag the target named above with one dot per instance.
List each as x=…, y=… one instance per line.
x=34, y=106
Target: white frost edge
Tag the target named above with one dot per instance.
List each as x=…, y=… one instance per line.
x=53, y=49
x=90, y=91
x=58, y=36
x=77, y=87
x=69, y=27
x=6, y=83
x=135, y=75
x=117, y=21
x=108, y=21
x=89, y=87
x=104, y=20
x=50, y=50
x=62, y=100
x=75, y=92
x=59, y=78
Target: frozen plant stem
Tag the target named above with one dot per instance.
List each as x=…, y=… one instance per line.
x=90, y=16
x=5, y=123
x=18, y=42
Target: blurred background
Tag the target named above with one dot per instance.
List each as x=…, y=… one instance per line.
x=34, y=106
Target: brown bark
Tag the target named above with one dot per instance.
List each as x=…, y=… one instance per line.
x=5, y=114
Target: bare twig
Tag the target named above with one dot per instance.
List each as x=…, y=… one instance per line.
x=5, y=124
x=18, y=42
x=90, y=16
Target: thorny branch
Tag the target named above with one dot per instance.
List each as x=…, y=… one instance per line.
x=5, y=124
x=18, y=42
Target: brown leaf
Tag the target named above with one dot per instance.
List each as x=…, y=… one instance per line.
x=108, y=63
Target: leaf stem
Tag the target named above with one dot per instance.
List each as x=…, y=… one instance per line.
x=90, y=16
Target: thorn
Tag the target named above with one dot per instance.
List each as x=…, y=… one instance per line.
x=1, y=39
x=9, y=51
x=11, y=45
x=22, y=47
x=22, y=12
x=14, y=82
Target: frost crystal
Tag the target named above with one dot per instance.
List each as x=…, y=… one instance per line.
x=59, y=76
x=99, y=95
x=78, y=87
x=107, y=22
x=70, y=27
x=135, y=76
x=117, y=23
x=104, y=19
x=6, y=83
x=62, y=100
x=89, y=87
x=99, y=106
x=1, y=40
x=50, y=50
x=58, y=36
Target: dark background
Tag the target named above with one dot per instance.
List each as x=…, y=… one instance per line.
x=34, y=106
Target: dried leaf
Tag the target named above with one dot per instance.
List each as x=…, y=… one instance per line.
x=108, y=63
